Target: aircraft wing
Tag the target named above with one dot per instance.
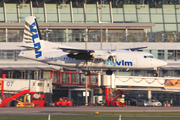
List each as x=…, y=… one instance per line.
x=136, y=48
x=29, y=47
x=76, y=51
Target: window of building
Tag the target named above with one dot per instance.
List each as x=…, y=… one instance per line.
x=56, y=77
x=158, y=28
x=156, y=15
x=1, y=15
x=130, y=13
x=104, y=13
x=118, y=15
x=170, y=28
x=51, y=12
x=169, y=14
x=11, y=13
x=76, y=35
x=39, y=13
x=160, y=54
x=65, y=78
x=78, y=14
x=143, y=13
x=91, y=13
x=24, y=11
x=65, y=13
x=75, y=78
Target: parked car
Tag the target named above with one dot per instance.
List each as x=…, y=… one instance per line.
x=148, y=103
x=155, y=103
x=142, y=103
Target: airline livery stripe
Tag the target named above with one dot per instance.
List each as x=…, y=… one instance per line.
x=27, y=38
x=27, y=34
x=28, y=41
x=26, y=23
x=28, y=30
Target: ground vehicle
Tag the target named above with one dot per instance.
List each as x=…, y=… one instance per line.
x=20, y=103
x=148, y=103
x=142, y=103
x=114, y=101
x=155, y=103
x=63, y=101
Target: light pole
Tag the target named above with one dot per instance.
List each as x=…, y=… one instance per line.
x=85, y=26
x=86, y=97
x=101, y=25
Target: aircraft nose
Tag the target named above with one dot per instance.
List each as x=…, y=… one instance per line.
x=164, y=63
x=161, y=63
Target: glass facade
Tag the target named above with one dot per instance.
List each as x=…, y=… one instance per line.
x=104, y=14
x=39, y=13
x=78, y=14
x=51, y=12
x=91, y=13
x=11, y=13
x=1, y=15
x=24, y=11
x=130, y=14
x=65, y=13
x=165, y=16
x=166, y=19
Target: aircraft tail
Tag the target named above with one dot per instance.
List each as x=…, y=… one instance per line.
x=31, y=30
x=32, y=39
x=34, y=46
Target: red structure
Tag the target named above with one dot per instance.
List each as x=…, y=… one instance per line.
x=114, y=101
x=63, y=101
x=40, y=101
x=74, y=78
x=13, y=96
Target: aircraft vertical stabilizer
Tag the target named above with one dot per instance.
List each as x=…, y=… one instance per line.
x=32, y=38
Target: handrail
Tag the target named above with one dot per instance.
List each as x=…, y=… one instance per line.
x=15, y=93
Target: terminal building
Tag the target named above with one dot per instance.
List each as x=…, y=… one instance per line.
x=94, y=24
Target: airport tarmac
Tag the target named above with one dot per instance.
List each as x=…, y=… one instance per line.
x=36, y=111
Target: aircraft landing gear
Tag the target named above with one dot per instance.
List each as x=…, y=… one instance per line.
x=155, y=74
x=109, y=72
x=87, y=72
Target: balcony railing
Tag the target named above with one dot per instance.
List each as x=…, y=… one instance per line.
x=96, y=37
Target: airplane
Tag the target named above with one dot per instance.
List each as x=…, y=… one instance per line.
x=84, y=59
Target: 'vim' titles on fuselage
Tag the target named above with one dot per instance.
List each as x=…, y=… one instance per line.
x=119, y=63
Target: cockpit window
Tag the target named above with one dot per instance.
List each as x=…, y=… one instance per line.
x=148, y=56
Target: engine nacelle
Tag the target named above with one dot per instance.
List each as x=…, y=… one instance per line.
x=80, y=56
x=99, y=56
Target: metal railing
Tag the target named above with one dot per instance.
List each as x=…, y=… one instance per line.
x=96, y=37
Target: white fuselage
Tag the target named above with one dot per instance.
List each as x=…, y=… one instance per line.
x=123, y=60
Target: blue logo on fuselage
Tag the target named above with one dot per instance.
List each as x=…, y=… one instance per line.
x=119, y=63
x=34, y=36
